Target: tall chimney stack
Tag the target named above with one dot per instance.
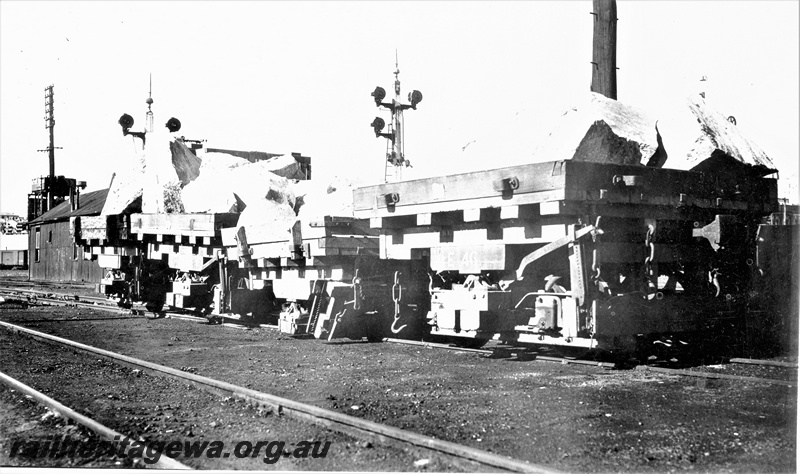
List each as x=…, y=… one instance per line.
x=604, y=48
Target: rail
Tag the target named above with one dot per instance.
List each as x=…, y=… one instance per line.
x=711, y=375
x=337, y=421
x=490, y=352
x=664, y=370
x=98, y=428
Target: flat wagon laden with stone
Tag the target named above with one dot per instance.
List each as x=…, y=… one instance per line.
x=609, y=243
x=578, y=254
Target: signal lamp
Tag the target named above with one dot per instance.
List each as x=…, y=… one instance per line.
x=378, y=125
x=415, y=98
x=379, y=93
x=126, y=122
x=173, y=125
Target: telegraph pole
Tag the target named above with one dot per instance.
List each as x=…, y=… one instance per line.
x=50, y=122
x=604, y=48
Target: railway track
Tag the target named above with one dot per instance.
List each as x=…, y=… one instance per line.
x=525, y=354
x=99, y=429
x=336, y=421
x=382, y=395
x=37, y=297
x=522, y=353
x=703, y=374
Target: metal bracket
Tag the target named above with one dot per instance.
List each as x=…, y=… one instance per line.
x=391, y=198
x=506, y=184
x=577, y=282
x=243, y=248
x=554, y=245
x=723, y=227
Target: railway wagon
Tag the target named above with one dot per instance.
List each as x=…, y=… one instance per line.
x=323, y=280
x=567, y=253
x=311, y=281
x=578, y=254
x=774, y=310
x=14, y=259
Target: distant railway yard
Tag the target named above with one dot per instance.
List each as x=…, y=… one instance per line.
x=376, y=406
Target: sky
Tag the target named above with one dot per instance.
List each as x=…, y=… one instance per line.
x=284, y=77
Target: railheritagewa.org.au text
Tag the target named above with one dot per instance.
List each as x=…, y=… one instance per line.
x=55, y=447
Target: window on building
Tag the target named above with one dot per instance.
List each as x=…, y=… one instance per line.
x=37, y=243
x=50, y=237
x=74, y=252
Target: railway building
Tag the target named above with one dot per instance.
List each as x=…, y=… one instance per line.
x=54, y=255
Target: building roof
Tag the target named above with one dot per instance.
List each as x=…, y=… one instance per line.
x=91, y=204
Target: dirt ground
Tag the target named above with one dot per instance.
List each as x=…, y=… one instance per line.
x=571, y=418
x=157, y=409
x=22, y=420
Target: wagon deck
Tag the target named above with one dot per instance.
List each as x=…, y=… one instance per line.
x=566, y=187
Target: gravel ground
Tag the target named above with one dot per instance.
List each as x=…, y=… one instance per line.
x=573, y=418
x=24, y=421
x=158, y=409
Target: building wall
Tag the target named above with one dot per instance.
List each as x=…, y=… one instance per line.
x=55, y=257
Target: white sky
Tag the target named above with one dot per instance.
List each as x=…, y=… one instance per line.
x=297, y=76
